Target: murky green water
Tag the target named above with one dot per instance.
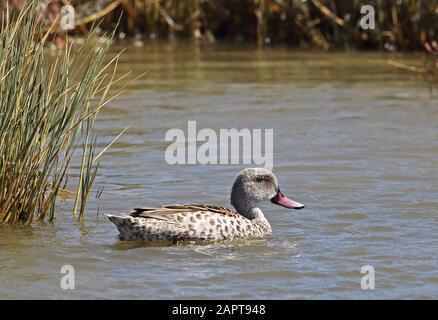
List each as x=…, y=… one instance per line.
x=354, y=139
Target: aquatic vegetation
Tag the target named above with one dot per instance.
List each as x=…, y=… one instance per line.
x=48, y=108
x=399, y=24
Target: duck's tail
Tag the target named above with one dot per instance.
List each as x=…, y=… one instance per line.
x=131, y=229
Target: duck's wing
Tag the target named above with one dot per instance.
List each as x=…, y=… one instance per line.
x=169, y=212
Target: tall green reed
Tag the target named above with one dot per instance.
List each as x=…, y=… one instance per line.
x=48, y=108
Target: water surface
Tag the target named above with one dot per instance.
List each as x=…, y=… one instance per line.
x=355, y=140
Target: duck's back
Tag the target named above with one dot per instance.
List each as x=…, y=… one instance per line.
x=186, y=222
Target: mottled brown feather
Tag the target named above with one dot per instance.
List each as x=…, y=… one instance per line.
x=165, y=212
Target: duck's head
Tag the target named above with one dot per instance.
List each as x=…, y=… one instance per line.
x=255, y=185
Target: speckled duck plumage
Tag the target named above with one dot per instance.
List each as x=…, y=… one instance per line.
x=209, y=222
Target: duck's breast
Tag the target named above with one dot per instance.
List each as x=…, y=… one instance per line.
x=207, y=225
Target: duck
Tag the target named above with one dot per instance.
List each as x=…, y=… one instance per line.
x=205, y=222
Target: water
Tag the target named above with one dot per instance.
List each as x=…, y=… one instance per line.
x=355, y=140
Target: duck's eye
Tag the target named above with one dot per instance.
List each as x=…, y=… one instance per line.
x=262, y=179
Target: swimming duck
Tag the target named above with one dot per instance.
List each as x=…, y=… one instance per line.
x=194, y=222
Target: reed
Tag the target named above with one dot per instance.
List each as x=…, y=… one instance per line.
x=400, y=24
x=48, y=107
